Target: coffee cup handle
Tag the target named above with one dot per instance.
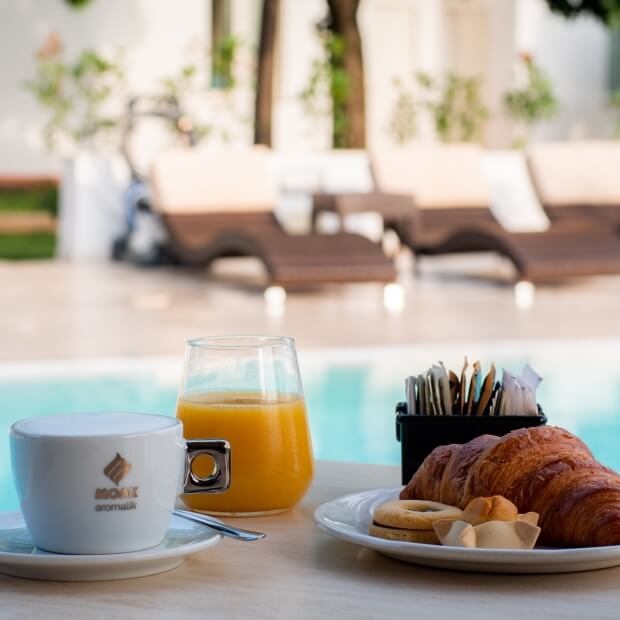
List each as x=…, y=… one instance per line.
x=219, y=479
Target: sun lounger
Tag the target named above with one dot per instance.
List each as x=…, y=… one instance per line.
x=410, y=177
x=219, y=203
x=453, y=214
x=578, y=179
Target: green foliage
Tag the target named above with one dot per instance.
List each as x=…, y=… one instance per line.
x=175, y=86
x=329, y=80
x=404, y=115
x=223, y=75
x=78, y=4
x=534, y=102
x=180, y=87
x=75, y=93
x=27, y=246
x=607, y=11
x=455, y=104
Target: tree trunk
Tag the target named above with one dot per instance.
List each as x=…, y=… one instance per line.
x=344, y=23
x=264, y=79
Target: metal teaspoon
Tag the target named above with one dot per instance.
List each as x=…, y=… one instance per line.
x=219, y=526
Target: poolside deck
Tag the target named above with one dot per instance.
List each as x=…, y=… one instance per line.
x=59, y=310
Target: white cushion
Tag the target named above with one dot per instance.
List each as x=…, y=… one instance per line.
x=514, y=201
x=210, y=180
x=436, y=175
x=346, y=171
x=336, y=171
x=576, y=173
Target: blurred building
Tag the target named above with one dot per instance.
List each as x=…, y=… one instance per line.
x=400, y=37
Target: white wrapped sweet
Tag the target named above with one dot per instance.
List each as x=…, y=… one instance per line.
x=519, y=534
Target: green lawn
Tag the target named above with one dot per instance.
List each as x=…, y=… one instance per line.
x=34, y=199
x=28, y=246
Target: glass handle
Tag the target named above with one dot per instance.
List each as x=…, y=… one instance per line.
x=219, y=479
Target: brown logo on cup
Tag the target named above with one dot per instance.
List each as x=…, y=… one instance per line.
x=117, y=469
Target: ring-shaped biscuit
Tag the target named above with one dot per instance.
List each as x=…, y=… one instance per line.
x=427, y=537
x=414, y=514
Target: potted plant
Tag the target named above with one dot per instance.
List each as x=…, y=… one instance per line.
x=327, y=91
x=83, y=97
x=403, y=126
x=454, y=104
x=530, y=103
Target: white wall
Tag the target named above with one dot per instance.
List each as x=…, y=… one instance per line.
x=395, y=47
x=298, y=46
x=500, y=58
x=399, y=38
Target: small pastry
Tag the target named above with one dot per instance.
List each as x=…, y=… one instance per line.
x=488, y=535
x=495, y=508
x=506, y=535
x=455, y=533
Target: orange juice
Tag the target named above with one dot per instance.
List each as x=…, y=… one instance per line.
x=271, y=452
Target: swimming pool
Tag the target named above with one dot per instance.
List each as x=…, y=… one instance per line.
x=351, y=393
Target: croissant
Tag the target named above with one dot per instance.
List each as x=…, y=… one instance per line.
x=544, y=469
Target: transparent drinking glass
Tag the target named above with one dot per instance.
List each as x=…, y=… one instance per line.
x=247, y=390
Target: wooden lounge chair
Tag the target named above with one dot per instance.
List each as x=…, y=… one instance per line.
x=219, y=203
x=453, y=215
x=578, y=179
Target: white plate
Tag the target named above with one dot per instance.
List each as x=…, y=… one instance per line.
x=20, y=558
x=348, y=518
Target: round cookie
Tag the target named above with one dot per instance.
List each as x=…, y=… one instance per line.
x=428, y=537
x=414, y=514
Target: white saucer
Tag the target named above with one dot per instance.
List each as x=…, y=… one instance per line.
x=348, y=518
x=20, y=558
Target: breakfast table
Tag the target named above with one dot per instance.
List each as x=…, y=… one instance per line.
x=298, y=571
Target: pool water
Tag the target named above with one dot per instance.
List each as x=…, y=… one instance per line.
x=350, y=394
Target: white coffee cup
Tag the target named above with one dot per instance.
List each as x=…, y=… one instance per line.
x=95, y=483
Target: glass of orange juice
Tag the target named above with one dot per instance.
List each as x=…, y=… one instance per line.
x=247, y=389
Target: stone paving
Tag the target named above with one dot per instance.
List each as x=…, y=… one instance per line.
x=56, y=310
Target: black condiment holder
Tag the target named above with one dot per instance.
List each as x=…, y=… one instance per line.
x=420, y=434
